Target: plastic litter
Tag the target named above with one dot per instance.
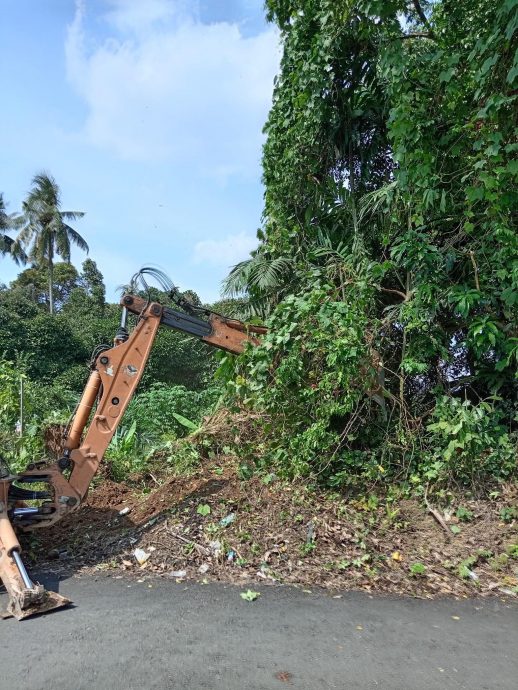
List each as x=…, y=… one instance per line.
x=141, y=556
x=227, y=520
x=215, y=547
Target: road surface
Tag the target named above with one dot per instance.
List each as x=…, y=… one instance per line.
x=127, y=635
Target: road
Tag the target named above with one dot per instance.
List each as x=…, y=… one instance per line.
x=160, y=635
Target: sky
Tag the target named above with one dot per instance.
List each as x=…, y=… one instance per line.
x=149, y=114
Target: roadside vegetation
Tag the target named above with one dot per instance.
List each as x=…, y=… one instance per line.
x=386, y=272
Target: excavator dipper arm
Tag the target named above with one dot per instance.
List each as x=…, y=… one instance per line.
x=112, y=383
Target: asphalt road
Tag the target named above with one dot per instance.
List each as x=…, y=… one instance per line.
x=127, y=635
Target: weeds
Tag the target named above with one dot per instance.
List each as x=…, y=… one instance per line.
x=417, y=569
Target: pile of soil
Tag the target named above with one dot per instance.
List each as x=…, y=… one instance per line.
x=213, y=526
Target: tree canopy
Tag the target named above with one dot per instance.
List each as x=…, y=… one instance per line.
x=45, y=231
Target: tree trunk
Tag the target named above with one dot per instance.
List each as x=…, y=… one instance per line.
x=51, y=279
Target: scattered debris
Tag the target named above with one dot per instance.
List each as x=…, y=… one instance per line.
x=125, y=511
x=178, y=573
x=310, y=534
x=433, y=511
x=141, y=556
x=215, y=547
x=284, y=676
x=361, y=545
x=227, y=520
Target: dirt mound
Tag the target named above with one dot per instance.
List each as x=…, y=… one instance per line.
x=212, y=525
x=110, y=495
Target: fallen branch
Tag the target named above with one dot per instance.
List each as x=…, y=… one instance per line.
x=437, y=515
x=201, y=548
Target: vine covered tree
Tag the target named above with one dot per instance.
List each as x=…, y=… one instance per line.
x=46, y=232
x=388, y=260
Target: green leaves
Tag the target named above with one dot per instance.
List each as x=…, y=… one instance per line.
x=388, y=258
x=417, y=569
x=45, y=232
x=464, y=299
x=471, y=441
x=250, y=595
x=185, y=422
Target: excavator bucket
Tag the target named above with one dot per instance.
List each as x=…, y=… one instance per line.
x=26, y=598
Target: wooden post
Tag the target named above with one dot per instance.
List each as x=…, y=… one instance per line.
x=21, y=406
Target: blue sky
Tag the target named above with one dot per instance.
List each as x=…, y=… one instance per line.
x=149, y=115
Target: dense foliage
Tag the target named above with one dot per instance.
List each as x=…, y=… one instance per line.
x=52, y=319
x=388, y=263
x=387, y=267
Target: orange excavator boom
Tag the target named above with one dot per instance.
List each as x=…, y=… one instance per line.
x=113, y=380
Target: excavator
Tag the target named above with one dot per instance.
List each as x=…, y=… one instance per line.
x=114, y=377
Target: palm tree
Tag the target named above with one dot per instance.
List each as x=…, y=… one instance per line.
x=262, y=280
x=45, y=232
x=7, y=244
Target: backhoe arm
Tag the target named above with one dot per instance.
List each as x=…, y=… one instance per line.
x=110, y=388
x=114, y=378
x=227, y=334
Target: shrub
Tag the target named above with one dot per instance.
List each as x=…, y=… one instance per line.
x=469, y=444
x=157, y=412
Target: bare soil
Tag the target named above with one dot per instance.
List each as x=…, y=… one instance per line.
x=211, y=526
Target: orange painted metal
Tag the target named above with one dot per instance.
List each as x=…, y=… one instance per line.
x=227, y=334
x=112, y=383
x=231, y=335
x=117, y=374
x=120, y=370
x=83, y=411
x=24, y=600
x=8, y=538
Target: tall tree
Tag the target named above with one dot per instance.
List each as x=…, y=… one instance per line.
x=7, y=244
x=389, y=243
x=33, y=283
x=93, y=283
x=46, y=232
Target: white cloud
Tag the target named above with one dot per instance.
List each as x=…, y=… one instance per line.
x=225, y=252
x=139, y=15
x=166, y=87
